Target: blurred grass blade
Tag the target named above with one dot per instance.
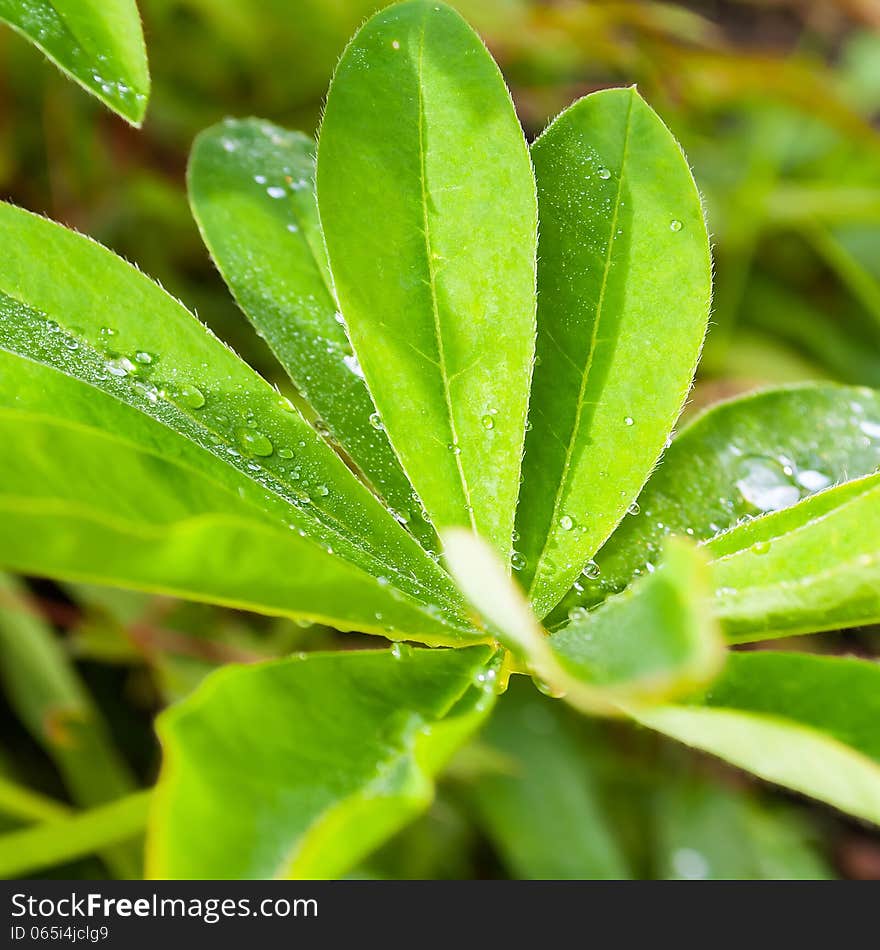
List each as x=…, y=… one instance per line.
x=43, y=688
x=251, y=186
x=22, y=803
x=72, y=305
x=158, y=526
x=806, y=722
x=851, y=251
x=741, y=459
x=427, y=200
x=99, y=43
x=654, y=641
x=809, y=568
x=545, y=818
x=56, y=842
x=298, y=768
x=623, y=258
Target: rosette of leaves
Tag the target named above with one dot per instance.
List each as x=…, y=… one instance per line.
x=489, y=346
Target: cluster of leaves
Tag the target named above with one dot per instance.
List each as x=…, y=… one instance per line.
x=453, y=371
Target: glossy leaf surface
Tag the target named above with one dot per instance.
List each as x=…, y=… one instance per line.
x=251, y=186
x=99, y=43
x=623, y=260
x=332, y=752
x=741, y=459
x=72, y=305
x=428, y=208
x=806, y=722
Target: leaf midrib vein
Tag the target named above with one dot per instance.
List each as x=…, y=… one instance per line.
x=432, y=282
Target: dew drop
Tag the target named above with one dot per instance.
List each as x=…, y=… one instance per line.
x=761, y=547
x=488, y=422
x=591, y=570
x=143, y=357
x=395, y=44
x=634, y=508
x=577, y=614
x=764, y=484
x=628, y=421
x=690, y=864
x=120, y=366
x=454, y=449
x=260, y=179
x=191, y=396
x=322, y=490
x=812, y=480
x=285, y=453
x=566, y=522
x=871, y=429
x=352, y=365
x=675, y=225
x=517, y=561
x=376, y=421
x=275, y=191
x=254, y=443
x=604, y=174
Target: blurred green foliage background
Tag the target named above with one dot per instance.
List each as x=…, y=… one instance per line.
x=776, y=103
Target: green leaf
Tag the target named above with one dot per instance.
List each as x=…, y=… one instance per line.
x=624, y=283
x=545, y=818
x=740, y=459
x=43, y=688
x=55, y=842
x=116, y=514
x=70, y=304
x=806, y=722
x=812, y=567
x=706, y=831
x=251, y=186
x=298, y=768
x=656, y=640
x=429, y=212
x=98, y=43
x=19, y=802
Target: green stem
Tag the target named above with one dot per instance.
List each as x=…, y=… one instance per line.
x=65, y=839
x=19, y=802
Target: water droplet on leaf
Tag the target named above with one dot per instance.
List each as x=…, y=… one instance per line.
x=191, y=396
x=254, y=443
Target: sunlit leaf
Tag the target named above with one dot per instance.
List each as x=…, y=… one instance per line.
x=120, y=515
x=741, y=459
x=251, y=185
x=428, y=208
x=99, y=43
x=299, y=768
x=812, y=567
x=623, y=259
x=806, y=722
x=657, y=640
x=70, y=304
